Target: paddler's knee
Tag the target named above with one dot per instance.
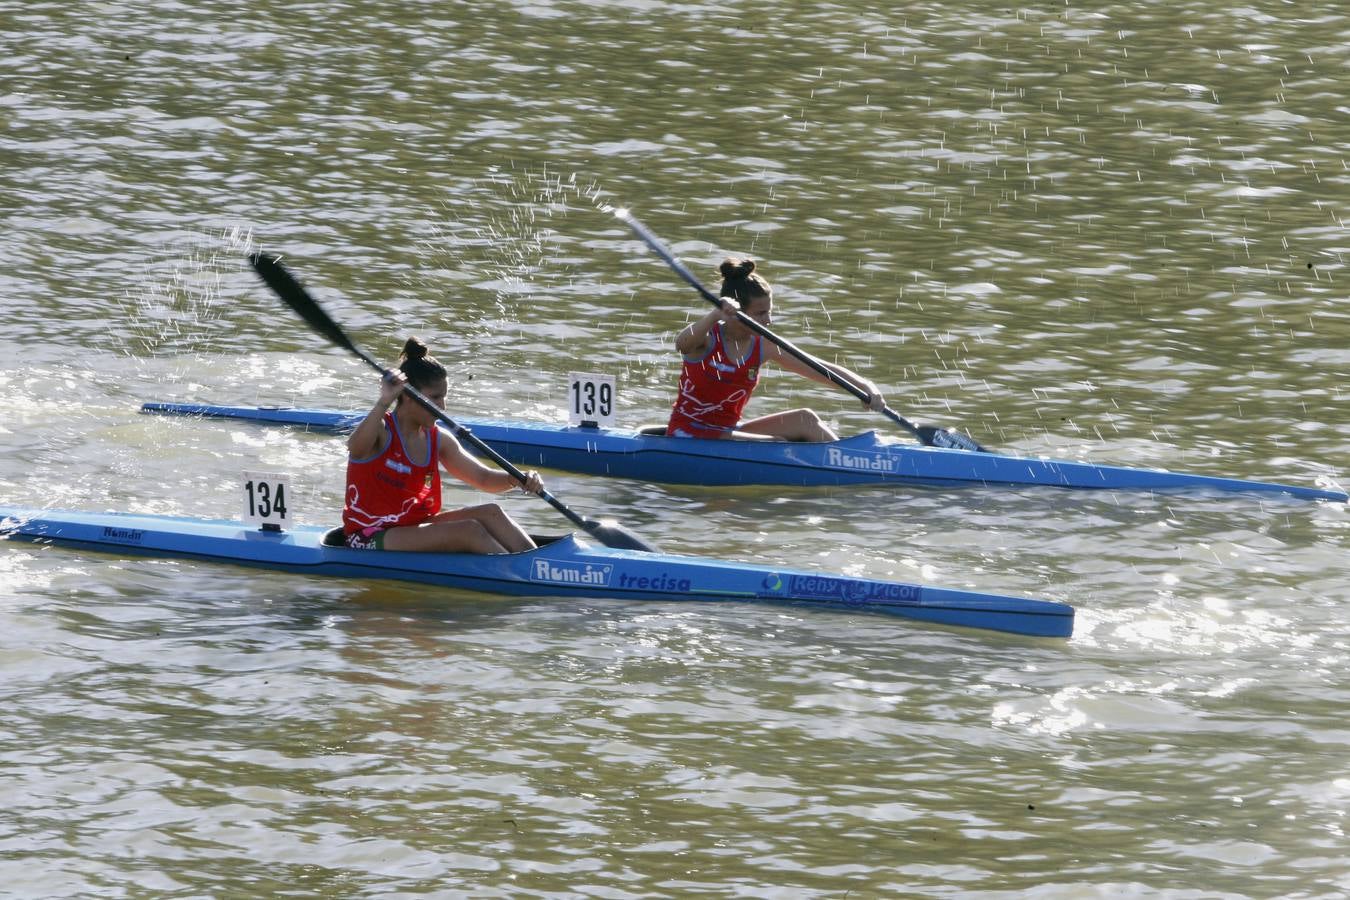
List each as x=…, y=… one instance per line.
x=485, y=512
x=478, y=538
x=808, y=426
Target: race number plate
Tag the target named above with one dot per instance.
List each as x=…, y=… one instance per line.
x=267, y=498
x=590, y=400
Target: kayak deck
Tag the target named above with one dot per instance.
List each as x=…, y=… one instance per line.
x=567, y=567
x=861, y=459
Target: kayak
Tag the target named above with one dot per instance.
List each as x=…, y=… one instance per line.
x=566, y=567
x=862, y=459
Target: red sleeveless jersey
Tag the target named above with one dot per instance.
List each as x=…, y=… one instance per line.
x=714, y=389
x=388, y=490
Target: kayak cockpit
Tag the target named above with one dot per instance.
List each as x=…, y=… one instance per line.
x=867, y=439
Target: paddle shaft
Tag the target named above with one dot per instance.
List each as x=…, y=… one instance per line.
x=652, y=241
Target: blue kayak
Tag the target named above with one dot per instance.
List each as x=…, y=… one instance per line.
x=564, y=567
x=861, y=459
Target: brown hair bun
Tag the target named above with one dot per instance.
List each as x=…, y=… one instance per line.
x=733, y=268
x=421, y=368
x=413, y=349
x=741, y=281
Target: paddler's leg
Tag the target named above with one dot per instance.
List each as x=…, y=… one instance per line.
x=503, y=530
x=792, y=425
x=463, y=536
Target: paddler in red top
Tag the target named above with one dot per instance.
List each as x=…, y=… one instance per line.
x=394, y=480
x=722, y=364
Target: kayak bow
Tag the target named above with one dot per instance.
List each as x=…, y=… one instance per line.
x=861, y=459
x=566, y=567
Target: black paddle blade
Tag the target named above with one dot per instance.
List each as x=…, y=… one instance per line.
x=615, y=536
x=947, y=439
x=288, y=288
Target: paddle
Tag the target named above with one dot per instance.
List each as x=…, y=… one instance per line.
x=930, y=435
x=285, y=286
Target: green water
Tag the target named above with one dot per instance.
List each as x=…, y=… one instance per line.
x=1111, y=233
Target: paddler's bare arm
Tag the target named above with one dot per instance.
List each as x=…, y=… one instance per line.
x=470, y=470
x=693, y=341
x=792, y=364
x=369, y=437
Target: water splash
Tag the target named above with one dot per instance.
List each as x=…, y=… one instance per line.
x=179, y=307
x=499, y=235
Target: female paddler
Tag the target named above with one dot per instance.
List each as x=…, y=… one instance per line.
x=394, y=480
x=722, y=364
